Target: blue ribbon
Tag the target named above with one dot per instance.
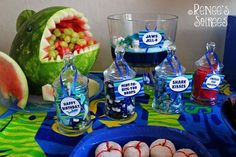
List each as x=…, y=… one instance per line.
x=169, y=59
x=127, y=68
x=63, y=88
x=209, y=62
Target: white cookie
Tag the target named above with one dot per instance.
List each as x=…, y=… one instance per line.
x=162, y=148
x=136, y=149
x=108, y=149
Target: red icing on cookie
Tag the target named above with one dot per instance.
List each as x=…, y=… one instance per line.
x=163, y=145
x=107, y=145
x=109, y=148
x=103, y=151
x=136, y=147
x=187, y=155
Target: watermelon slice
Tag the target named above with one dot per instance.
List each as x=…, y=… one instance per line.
x=44, y=37
x=13, y=83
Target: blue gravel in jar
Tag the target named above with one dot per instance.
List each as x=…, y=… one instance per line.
x=164, y=101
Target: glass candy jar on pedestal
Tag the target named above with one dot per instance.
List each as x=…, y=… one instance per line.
x=207, y=77
x=170, y=83
x=124, y=108
x=71, y=99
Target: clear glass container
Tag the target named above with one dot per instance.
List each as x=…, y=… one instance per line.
x=118, y=71
x=71, y=99
x=164, y=101
x=207, y=64
x=130, y=25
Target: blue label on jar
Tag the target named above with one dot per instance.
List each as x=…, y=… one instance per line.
x=70, y=110
x=129, y=88
x=212, y=81
x=70, y=106
x=150, y=39
x=179, y=84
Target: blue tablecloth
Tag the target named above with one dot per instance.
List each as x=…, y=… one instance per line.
x=36, y=134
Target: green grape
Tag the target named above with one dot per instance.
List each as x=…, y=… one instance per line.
x=56, y=53
x=57, y=32
x=75, y=35
x=68, y=31
x=73, y=40
x=71, y=46
x=67, y=39
x=81, y=42
x=91, y=42
x=53, y=53
x=52, y=47
x=71, y=30
x=64, y=44
x=53, y=38
x=51, y=42
x=81, y=35
x=62, y=37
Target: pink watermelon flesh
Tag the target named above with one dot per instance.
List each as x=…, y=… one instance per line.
x=12, y=81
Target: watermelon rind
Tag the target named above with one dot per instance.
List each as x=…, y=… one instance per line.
x=23, y=17
x=23, y=85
